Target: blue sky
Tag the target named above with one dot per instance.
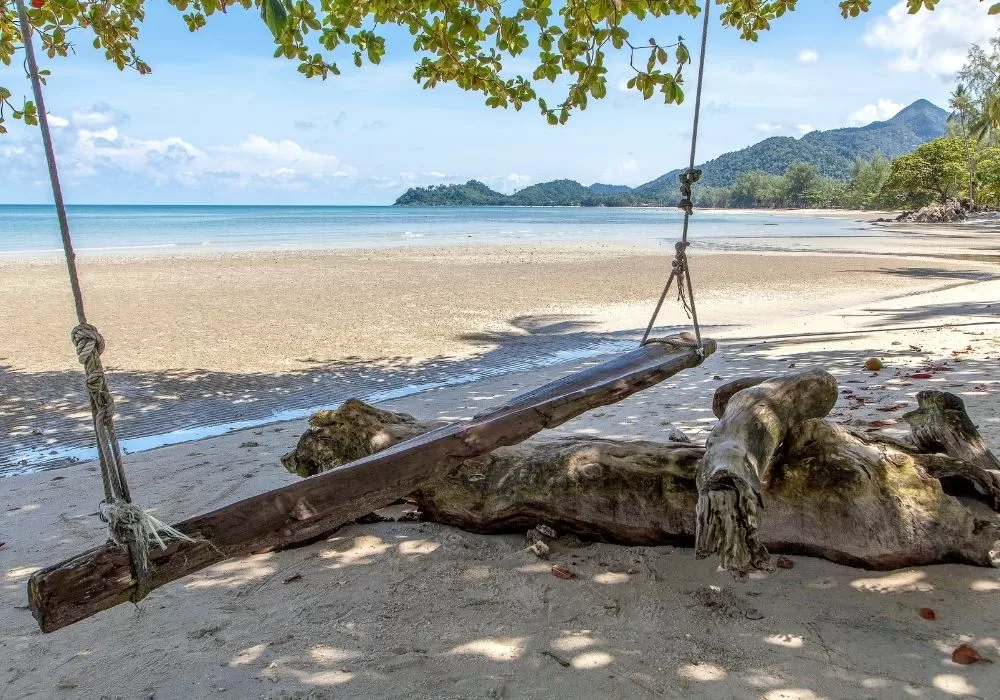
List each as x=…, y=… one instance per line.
x=221, y=121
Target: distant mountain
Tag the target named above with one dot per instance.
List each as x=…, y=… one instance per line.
x=832, y=152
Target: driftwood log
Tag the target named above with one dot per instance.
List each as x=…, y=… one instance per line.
x=739, y=455
x=300, y=513
x=853, y=498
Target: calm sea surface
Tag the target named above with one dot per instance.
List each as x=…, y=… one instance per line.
x=32, y=230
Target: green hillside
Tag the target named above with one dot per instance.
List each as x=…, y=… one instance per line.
x=833, y=153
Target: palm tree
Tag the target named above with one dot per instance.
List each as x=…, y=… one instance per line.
x=964, y=113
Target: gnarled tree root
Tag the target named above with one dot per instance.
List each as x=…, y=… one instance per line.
x=853, y=498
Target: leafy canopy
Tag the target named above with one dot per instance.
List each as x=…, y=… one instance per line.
x=465, y=42
x=936, y=171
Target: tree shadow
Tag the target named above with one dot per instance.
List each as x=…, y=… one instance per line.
x=45, y=419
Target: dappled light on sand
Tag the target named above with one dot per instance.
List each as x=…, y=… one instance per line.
x=954, y=684
x=234, y=573
x=791, y=694
x=985, y=585
x=495, y=649
x=362, y=550
x=574, y=641
x=790, y=641
x=702, y=672
x=898, y=582
x=20, y=574
x=591, y=659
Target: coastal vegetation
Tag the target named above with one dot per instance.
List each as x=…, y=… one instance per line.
x=563, y=52
x=922, y=155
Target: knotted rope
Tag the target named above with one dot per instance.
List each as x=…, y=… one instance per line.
x=679, y=267
x=129, y=526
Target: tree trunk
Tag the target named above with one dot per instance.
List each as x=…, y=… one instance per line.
x=853, y=498
x=739, y=455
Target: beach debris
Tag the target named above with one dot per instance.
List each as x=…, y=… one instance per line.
x=410, y=516
x=927, y=614
x=881, y=423
x=555, y=657
x=891, y=407
x=293, y=578
x=539, y=549
x=546, y=531
x=562, y=572
x=250, y=443
x=724, y=602
x=966, y=654
x=2, y=544
x=873, y=364
x=916, y=348
x=895, y=342
x=921, y=375
x=784, y=563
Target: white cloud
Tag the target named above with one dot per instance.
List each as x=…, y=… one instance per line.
x=932, y=42
x=57, y=122
x=880, y=111
x=518, y=179
x=254, y=161
x=97, y=117
x=770, y=127
x=808, y=56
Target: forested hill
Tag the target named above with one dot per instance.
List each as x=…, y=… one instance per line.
x=832, y=152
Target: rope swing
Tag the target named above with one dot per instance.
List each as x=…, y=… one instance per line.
x=129, y=526
x=679, y=267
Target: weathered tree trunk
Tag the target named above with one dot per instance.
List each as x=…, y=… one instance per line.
x=726, y=391
x=940, y=424
x=852, y=498
x=739, y=455
x=296, y=514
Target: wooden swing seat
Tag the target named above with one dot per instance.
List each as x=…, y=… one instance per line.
x=303, y=512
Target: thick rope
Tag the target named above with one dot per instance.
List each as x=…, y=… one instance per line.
x=679, y=267
x=129, y=526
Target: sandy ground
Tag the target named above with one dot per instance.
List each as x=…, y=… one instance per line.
x=403, y=609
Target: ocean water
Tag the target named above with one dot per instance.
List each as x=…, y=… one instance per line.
x=32, y=230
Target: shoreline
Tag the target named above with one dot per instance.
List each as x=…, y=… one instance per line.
x=633, y=234
x=199, y=344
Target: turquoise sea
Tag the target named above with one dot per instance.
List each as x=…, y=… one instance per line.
x=32, y=230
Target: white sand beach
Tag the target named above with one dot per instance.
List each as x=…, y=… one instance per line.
x=410, y=609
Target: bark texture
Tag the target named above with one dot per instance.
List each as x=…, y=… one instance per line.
x=853, y=498
x=739, y=456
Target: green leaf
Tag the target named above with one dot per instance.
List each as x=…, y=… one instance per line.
x=274, y=15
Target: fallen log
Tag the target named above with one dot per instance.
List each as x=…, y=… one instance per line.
x=100, y=578
x=853, y=498
x=739, y=454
